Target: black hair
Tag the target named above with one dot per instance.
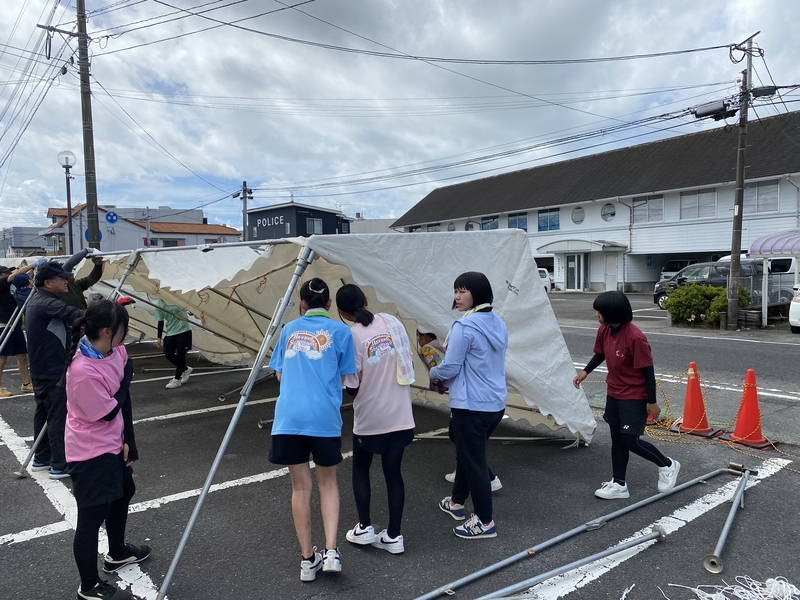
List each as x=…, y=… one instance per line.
x=428, y=333
x=315, y=293
x=614, y=307
x=351, y=299
x=476, y=284
x=99, y=315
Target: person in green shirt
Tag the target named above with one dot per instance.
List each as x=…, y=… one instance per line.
x=177, y=341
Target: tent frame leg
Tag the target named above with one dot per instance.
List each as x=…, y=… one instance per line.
x=16, y=316
x=304, y=259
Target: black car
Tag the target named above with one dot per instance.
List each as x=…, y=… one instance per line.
x=709, y=273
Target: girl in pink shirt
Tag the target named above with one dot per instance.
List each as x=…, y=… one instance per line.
x=383, y=420
x=100, y=445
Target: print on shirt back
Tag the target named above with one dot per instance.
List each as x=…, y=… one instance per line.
x=378, y=347
x=312, y=344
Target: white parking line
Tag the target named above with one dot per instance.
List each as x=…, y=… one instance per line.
x=562, y=585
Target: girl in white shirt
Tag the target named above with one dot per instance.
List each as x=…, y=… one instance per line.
x=384, y=423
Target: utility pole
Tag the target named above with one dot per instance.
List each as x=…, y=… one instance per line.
x=247, y=194
x=93, y=226
x=738, y=202
x=146, y=215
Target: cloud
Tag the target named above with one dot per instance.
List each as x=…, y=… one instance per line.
x=232, y=105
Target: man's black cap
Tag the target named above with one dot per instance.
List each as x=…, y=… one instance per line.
x=49, y=270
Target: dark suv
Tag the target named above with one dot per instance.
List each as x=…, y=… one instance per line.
x=709, y=273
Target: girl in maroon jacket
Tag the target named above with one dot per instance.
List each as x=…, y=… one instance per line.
x=631, y=395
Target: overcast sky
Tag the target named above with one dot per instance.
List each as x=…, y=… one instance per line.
x=181, y=122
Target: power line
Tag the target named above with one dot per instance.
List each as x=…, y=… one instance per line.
x=175, y=12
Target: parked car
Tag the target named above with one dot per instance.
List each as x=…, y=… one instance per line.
x=709, y=273
x=544, y=275
x=794, y=311
x=674, y=265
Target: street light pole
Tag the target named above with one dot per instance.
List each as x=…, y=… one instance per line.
x=67, y=159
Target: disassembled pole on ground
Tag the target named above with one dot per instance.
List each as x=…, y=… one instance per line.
x=713, y=562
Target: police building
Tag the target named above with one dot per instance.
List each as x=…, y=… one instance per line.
x=292, y=220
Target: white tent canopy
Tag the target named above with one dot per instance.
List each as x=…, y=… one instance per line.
x=234, y=291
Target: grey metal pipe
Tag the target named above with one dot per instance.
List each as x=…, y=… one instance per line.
x=21, y=473
x=303, y=260
x=589, y=526
x=133, y=260
x=713, y=562
x=657, y=534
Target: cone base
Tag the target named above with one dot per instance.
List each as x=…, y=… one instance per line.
x=677, y=427
x=762, y=444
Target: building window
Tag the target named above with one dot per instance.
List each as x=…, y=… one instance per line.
x=451, y=227
x=313, y=226
x=210, y=241
x=608, y=212
x=172, y=243
x=345, y=227
x=648, y=209
x=434, y=227
x=548, y=219
x=488, y=223
x=578, y=215
x=700, y=204
x=760, y=197
x=518, y=221
x=469, y=226
x=288, y=228
x=414, y=228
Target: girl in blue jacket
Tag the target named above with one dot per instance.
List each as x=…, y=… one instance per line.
x=474, y=370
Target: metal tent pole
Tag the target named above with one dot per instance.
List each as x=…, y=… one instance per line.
x=657, y=534
x=712, y=562
x=133, y=260
x=449, y=588
x=303, y=260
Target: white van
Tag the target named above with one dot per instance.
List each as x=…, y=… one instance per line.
x=776, y=265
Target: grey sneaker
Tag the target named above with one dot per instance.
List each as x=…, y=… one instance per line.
x=668, y=476
x=186, y=374
x=332, y=561
x=451, y=477
x=611, y=490
x=496, y=485
x=309, y=568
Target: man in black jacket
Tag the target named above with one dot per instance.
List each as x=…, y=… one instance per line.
x=76, y=287
x=48, y=320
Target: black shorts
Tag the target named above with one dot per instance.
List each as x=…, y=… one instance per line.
x=383, y=442
x=297, y=449
x=16, y=342
x=629, y=416
x=98, y=480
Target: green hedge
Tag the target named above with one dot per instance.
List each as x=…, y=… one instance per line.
x=701, y=304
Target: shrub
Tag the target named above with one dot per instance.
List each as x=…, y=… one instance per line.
x=700, y=304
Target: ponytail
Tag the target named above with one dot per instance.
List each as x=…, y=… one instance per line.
x=77, y=332
x=351, y=299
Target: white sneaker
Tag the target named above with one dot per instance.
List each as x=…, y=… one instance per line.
x=496, y=485
x=308, y=569
x=391, y=545
x=173, y=383
x=361, y=535
x=668, y=476
x=186, y=373
x=451, y=477
x=332, y=561
x=611, y=490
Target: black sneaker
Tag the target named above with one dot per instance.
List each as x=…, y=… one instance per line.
x=105, y=591
x=133, y=554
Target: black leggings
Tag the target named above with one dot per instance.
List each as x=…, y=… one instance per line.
x=622, y=444
x=175, y=349
x=87, y=532
x=395, y=488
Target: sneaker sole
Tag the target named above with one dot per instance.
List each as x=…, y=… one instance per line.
x=59, y=476
x=475, y=537
x=389, y=549
x=116, y=568
x=360, y=540
x=456, y=517
x=39, y=469
x=332, y=569
x=311, y=577
x=620, y=497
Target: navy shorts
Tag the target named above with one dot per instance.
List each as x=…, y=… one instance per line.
x=16, y=342
x=628, y=416
x=297, y=449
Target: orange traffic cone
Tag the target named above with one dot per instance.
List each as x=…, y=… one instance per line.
x=694, y=421
x=748, y=423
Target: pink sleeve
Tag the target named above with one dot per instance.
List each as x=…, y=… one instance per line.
x=354, y=379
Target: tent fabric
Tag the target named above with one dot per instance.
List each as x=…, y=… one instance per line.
x=234, y=291
x=784, y=243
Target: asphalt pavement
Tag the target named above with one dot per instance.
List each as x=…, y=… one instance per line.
x=243, y=545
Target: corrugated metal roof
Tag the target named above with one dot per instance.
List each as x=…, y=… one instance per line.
x=696, y=160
